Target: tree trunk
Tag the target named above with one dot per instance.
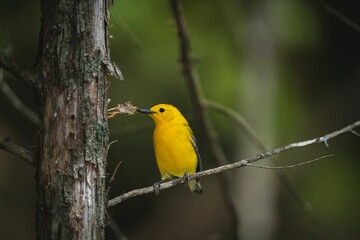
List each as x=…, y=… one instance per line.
x=73, y=137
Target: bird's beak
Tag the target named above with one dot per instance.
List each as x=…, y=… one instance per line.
x=146, y=111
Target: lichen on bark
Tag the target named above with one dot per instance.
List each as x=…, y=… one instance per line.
x=73, y=138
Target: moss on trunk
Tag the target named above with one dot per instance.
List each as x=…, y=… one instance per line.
x=74, y=132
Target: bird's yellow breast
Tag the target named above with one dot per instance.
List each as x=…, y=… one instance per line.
x=175, y=154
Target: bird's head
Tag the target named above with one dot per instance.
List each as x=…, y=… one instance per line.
x=164, y=114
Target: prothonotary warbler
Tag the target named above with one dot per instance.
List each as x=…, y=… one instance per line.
x=175, y=146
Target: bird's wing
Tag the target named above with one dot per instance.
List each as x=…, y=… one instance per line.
x=199, y=164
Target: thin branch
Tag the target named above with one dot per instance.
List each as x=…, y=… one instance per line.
x=17, y=150
x=16, y=71
x=250, y=133
x=241, y=163
x=355, y=133
x=116, y=16
x=197, y=98
x=16, y=102
x=289, y=166
x=341, y=16
x=241, y=122
x=238, y=120
x=115, y=171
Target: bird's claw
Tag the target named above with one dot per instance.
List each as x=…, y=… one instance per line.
x=186, y=177
x=325, y=140
x=156, y=187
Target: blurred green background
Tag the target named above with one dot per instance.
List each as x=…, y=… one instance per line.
x=290, y=67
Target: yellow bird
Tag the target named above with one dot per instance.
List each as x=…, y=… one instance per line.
x=175, y=147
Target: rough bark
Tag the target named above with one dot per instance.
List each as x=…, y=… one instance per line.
x=73, y=137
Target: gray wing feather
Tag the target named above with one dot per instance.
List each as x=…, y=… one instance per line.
x=199, y=164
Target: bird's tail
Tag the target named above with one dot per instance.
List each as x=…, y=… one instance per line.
x=195, y=186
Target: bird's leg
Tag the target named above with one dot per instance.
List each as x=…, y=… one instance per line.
x=186, y=177
x=156, y=186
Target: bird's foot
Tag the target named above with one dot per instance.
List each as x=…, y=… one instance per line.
x=186, y=177
x=156, y=187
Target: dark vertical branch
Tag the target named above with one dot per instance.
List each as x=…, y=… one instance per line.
x=74, y=133
x=197, y=99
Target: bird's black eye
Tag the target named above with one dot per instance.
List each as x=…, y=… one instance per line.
x=162, y=110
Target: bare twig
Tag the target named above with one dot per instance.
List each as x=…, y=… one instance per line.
x=111, y=143
x=197, y=98
x=17, y=150
x=242, y=163
x=16, y=102
x=287, y=183
x=256, y=141
x=116, y=16
x=125, y=108
x=355, y=133
x=341, y=16
x=16, y=71
x=114, y=173
x=238, y=120
x=289, y=166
